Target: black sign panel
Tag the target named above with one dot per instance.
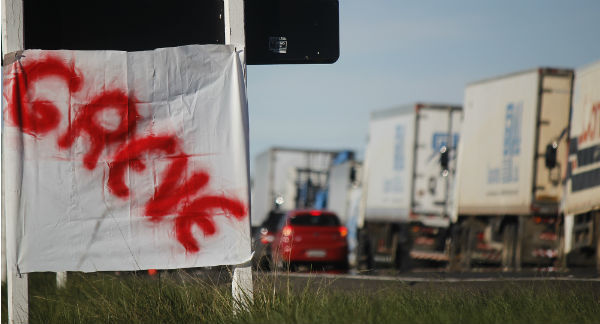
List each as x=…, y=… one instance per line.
x=129, y=25
x=292, y=31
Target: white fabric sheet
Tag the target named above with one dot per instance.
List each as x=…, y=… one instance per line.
x=126, y=161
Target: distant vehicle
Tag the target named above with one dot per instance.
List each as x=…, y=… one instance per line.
x=344, y=192
x=344, y=177
x=287, y=179
x=511, y=161
x=263, y=238
x=582, y=199
x=407, y=185
x=313, y=238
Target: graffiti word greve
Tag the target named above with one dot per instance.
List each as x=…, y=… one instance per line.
x=176, y=194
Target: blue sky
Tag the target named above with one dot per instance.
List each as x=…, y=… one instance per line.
x=397, y=52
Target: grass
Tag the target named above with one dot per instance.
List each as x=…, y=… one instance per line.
x=180, y=297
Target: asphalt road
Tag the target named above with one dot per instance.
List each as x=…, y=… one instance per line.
x=386, y=278
x=375, y=282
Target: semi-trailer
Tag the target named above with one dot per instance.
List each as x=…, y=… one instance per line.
x=288, y=178
x=407, y=185
x=582, y=190
x=510, y=167
x=344, y=192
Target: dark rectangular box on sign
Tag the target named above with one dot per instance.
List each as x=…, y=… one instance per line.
x=292, y=31
x=131, y=25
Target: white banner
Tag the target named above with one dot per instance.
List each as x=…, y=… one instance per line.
x=126, y=161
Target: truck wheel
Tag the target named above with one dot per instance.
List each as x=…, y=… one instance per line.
x=460, y=251
x=454, y=249
x=402, y=260
x=365, y=254
x=509, y=246
x=561, y=262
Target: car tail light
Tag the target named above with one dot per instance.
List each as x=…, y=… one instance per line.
x=343, y=231
x=315, y=212
x=287, y=231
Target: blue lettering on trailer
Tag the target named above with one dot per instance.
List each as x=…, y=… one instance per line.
x=394, y=184
x=399, y=148
x=509, y=170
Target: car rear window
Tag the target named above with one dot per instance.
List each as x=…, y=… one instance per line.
x=315, y=220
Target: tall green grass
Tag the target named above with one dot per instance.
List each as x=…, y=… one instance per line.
x=181, y=297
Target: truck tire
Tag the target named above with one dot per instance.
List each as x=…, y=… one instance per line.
x=454, y=248
x=561, y=261
x=509, y=246
x=402, y=260
x=461, y=238
x=365, y=260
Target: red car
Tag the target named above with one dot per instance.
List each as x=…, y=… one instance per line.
x=310, y=237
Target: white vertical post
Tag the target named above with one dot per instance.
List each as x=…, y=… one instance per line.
x=241, y=285
x=18, y=298
x=12, y=40
x=3, y=229
x=18, y=307
x=234, y=23
x=61, y=279
x=12, y=26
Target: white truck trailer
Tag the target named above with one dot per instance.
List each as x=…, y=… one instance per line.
x=287, y=178
x=344, y=179
x=407, y=184
x=511, y=160
x=344, y=192
x=582, y=200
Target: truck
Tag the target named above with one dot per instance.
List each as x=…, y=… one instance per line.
x=288, y=178
x=344, y=192
x=582, y=190
x=344, y=177
x=407, y=185
x=510, y=167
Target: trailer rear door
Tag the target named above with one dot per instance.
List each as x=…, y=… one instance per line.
x=553, y=123
x=435, y=130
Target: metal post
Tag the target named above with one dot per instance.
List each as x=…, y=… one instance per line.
x=242, y=289
x=18, y=298
x=241, y=285
x=18, y=307
x=4, y=278
x=61, y=279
